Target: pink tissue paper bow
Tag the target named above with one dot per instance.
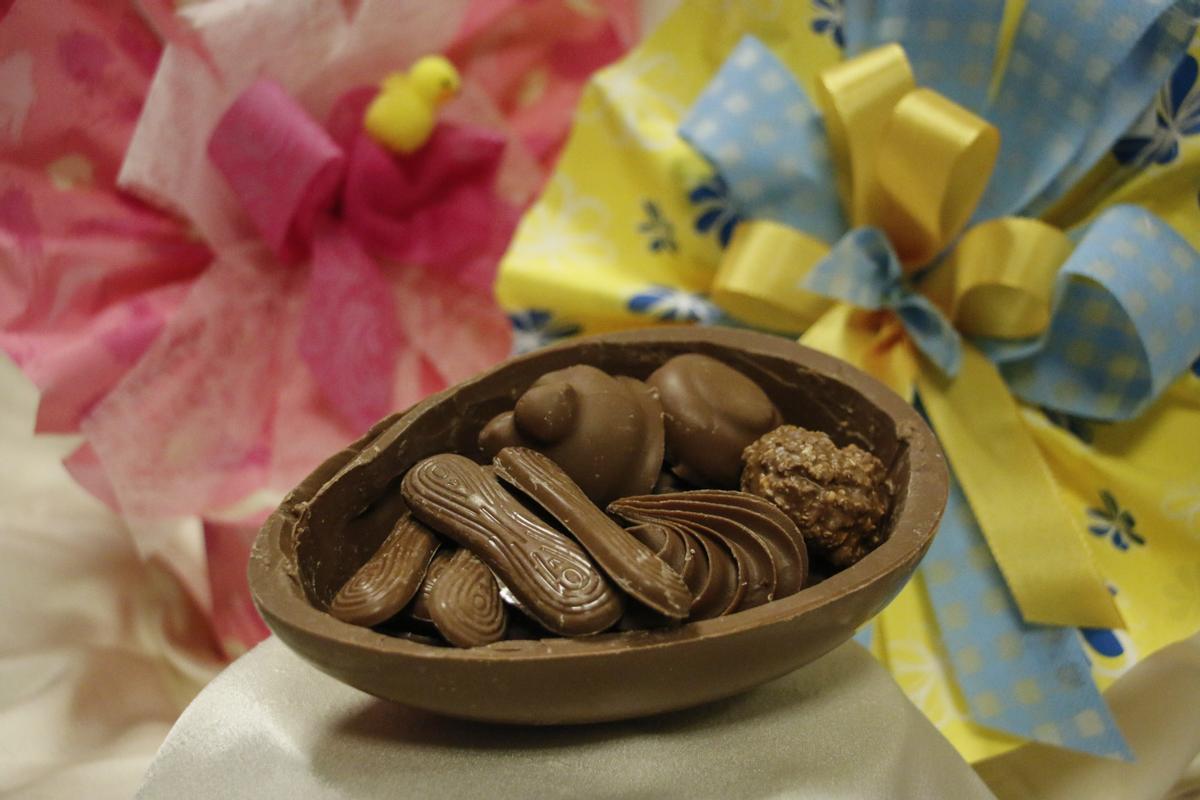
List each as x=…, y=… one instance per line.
x=184, y=328
x=340, y=200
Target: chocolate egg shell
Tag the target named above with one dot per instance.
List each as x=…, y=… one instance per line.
x=294, y=566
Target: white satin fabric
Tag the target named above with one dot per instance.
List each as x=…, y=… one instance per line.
x=100, y=646
x=272, y=726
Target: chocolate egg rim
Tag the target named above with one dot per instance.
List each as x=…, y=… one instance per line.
x=920, y=500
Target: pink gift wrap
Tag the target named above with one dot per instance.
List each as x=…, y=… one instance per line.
x=216, y=316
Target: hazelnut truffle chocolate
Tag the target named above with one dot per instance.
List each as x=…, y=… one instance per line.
x=539, y=528
x=836, y=495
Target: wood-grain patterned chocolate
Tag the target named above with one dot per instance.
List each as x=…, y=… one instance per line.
x=464, y=602
x=630, y=564
x=419, y=608
x=552, y=577
x=384, y=585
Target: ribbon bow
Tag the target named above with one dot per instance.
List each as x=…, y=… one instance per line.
x=337, y=201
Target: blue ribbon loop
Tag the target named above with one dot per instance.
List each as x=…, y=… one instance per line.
x=863, y=270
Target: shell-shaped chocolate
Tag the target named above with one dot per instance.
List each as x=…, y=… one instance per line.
x=555, y=581
x=777, y=532
x=384, y=585
x=631, y=565
x=464, y=603
x=766, y=546
x=708, y=568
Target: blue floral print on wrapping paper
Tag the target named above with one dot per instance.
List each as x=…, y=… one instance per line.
x=1113, y=522
x=675, y=305
x=535, y=327
x=717, y=212
x=1176, y=113
x=658, y=230
x=1103, y=640
x=828, y=18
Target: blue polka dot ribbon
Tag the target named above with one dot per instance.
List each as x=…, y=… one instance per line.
x=1123, y=324
x=1031, y=680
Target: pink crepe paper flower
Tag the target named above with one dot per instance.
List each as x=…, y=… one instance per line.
x=139, y=296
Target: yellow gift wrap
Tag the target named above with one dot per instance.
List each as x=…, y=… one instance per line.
x=992, y=210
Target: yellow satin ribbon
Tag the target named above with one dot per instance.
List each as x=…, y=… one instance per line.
x=915, y=164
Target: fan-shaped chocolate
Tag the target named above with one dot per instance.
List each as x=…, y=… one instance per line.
x=605, y=432
x=762, y=518
x=554, y=580
x=711, y=413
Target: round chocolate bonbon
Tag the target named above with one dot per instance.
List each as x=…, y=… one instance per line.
x=711, y=412
x=605, y=432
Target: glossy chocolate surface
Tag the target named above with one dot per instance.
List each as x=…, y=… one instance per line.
x=390, y=578
x=711, y=413
x=548, y=573
x=464, y=602
x=631, y=565
x=605, y=432
x=302, y=555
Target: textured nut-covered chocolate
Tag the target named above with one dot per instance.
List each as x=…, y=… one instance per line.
x=605, y=432
x=837, y=496
x=711, y=413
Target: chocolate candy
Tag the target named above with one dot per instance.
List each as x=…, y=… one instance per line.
x=419, y=608
x=605, y=432
x=836, y=495
x=711, y=413
x=384, y=585
x=464, y=602
x=763, y=520
x=629, y=563
x=553, y=579
x=707, y=566
x=766, y=547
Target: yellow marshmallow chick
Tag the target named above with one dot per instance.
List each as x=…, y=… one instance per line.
x=402, y=115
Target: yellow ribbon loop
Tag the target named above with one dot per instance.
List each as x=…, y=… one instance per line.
x=909, y=160
x=1038, y=546
x=933, y=163
x=856, y=98
x=765, y=255
x=999, y=280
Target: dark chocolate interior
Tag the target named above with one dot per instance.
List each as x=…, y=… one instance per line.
x=348, y=517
